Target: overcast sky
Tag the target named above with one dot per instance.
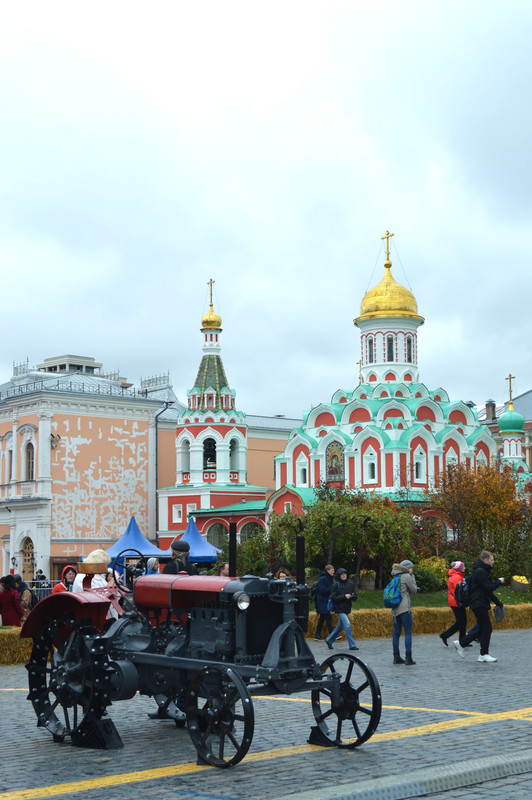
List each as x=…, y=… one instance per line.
x=147, y=147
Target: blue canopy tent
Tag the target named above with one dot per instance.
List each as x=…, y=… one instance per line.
x=132, y=540
x=201, y=551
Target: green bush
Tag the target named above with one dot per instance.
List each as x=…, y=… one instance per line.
x=426, y=580
x=437, y=567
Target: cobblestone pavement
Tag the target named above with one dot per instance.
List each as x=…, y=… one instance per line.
x=436, y=714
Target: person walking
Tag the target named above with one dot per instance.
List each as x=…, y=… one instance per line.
x=342, y=594
x=481, y=594
x=402, y=614
x=323, y=593
x=456, y=576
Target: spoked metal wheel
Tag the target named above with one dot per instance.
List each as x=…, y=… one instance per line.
x=220, y=716
x=68, y=680
x=351, y=719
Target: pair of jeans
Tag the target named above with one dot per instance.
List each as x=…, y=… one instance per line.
x=403, y=621
x=346, y=625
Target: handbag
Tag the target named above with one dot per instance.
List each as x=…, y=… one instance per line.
x=330, y=605
x=499, y=613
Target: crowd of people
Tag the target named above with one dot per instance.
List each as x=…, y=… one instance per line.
x=334, y=592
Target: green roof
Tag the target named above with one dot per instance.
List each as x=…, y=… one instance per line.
x=211, y=374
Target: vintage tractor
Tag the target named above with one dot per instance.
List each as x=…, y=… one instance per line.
x=202, y=646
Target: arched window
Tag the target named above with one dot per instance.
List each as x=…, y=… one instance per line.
x=30, y=462
x=185, y=456
x=371, y=354
x=233, y=455
x=389, y=348
x=209, y=454
x=248, y=530
x=409, y=349
x=9, y=465
x=217, y=535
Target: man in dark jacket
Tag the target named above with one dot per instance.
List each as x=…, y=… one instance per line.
x=323, y=592
x=179, y=562
x=481, y=594
x=342, y=593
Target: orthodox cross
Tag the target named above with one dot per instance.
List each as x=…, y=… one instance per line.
x=387, y=236
x=359, y=371
x=209, y=284
x=510, y=378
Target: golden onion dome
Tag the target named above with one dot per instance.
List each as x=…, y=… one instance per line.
x=388, y=299
x=210, y=319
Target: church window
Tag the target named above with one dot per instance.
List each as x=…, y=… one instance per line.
x=190, y=508
x=233, y=455
x=409, y=349
x=177, y=513
x=370, y=466
x=217, y=535
x=9, y=464
x=370, y=351
x=389, y=348
x=247, y=531
x=183, y=463
x=30, y=462
x=209, y=454
x=420, y=465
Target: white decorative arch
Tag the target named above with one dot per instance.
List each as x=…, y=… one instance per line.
x=465, y=409
x=428, y=402
x=354, y=405
x=322, y=408
x=394, y=403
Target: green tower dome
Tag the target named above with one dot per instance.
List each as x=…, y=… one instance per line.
x=511, y=421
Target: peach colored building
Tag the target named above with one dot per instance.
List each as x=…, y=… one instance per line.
x=77, y=460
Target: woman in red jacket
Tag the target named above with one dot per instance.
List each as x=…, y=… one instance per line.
x=10, y=607
x=456, y=576
x=67, y=580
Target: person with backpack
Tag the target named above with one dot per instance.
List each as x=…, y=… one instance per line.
x=456, y=576
x=480, y=598
x=342, y=594
x=323, y=593
x=25, y=595
x=402, y=613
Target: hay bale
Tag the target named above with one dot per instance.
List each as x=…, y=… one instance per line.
x=13, y=649
x=376, y=622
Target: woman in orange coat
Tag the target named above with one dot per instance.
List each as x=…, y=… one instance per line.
x=456, y=576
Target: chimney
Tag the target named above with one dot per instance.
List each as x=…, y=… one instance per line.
x=490, y=411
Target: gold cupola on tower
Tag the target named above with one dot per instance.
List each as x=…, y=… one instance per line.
x=388, y=298
x=211, y=320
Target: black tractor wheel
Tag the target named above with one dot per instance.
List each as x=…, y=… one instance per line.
x=68, y=679
x=350, y=718
x=220, y=717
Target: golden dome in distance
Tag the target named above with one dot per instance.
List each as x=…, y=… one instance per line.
x=388, y=298
x=210, y=319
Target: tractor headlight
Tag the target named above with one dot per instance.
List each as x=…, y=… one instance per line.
x=242, y=599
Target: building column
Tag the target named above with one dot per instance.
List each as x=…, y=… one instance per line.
x=196, y=462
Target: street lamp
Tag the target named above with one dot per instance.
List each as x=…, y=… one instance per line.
x=14, y=561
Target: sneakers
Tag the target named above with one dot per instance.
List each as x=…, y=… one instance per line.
x=329, y=645
x=487, y=658
x=459, y=648
x=318, y=638
x=444, y=639
x=354, y=648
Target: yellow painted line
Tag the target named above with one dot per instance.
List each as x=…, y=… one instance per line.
x=14, y=690
x=367, y=705
x=282, y=752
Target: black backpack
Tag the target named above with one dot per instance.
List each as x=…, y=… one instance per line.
x=462, y=591
x=34, y=598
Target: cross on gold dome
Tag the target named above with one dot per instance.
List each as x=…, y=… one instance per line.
x=510, y=378
x=387, y=236
x=359, y=363
x=209, y=284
